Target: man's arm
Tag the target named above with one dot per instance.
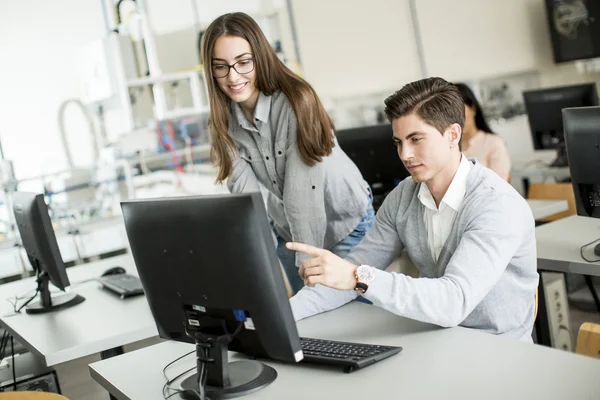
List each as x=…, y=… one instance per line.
x=380, y=246
x=493, y=237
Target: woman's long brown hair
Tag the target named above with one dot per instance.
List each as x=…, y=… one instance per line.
x=315, y=128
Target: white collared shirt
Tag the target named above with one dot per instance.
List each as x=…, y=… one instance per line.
x=438, y=221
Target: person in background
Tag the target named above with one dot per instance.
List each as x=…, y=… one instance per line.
x=268, y=127
x=478, y=139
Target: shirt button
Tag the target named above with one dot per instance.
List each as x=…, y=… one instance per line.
x=267, y=157
x=275, y=182
x=279, y=152
x=249, y=157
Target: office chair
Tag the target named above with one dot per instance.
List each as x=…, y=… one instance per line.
x=588, y=340
x=31, y=396
x=554, y=191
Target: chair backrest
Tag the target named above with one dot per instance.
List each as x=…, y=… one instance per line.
x=31, y=396
x=588, y=340
x=554, y=191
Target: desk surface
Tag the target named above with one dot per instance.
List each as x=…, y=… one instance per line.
x=545, y=208
x=436, y=363
x=559, y=243
x=539, y=171
x=103, y=321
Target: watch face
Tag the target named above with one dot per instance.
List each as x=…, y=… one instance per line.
x=365, y=273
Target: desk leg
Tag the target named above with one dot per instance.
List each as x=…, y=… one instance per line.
x=590, y=283
x=111, y=353
x=542, y=326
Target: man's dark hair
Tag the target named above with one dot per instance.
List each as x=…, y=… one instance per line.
x=434, y=100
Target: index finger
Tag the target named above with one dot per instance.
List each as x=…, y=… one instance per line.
x=305, y=248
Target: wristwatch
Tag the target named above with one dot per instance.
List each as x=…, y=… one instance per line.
x=364, y=275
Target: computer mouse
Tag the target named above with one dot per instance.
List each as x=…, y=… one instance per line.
x=114, y=271
x=597, y=250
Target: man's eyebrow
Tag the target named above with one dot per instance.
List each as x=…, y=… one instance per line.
x=408, y=136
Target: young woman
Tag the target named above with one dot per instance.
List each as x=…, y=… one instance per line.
x=268, y=127
x=478, y=140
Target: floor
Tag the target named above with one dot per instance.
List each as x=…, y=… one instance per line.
x=76, y=382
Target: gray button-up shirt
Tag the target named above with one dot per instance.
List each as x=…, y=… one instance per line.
x=317, y=205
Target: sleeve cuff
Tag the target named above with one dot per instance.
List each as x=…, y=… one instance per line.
x=380, y=289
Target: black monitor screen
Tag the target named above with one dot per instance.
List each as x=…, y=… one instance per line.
x=372, y=150
x=544, y=110
x=39, y=242
x=582, y=134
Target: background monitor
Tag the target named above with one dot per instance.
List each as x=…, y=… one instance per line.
x=544, y=110
x=39, y=242
x=372, y=150
x=582, y=134
x=211, y=276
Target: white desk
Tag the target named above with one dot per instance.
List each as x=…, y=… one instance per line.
x=536, y=173
x=102, y=322
x=436, y=363
x=558, y=250
x=558, y=245
x=545, y=208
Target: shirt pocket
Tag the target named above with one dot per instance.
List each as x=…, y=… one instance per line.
x=250, y=155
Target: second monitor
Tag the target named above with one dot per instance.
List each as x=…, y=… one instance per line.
x=544, y=110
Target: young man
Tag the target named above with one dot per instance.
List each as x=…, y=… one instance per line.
x=469, y=233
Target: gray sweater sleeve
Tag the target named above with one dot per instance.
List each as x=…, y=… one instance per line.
x=378, y=248
x=495, y=232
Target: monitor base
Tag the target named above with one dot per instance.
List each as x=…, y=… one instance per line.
x=561, y=159
x=58, y=302
x=245, y=377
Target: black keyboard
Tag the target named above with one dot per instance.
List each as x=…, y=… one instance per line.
x=351, y=356
x=124, y=285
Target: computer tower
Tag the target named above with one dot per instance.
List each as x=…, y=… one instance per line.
x=557, y=308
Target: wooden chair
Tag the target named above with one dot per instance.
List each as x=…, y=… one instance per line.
x=588, y=340
x=554, y=191
x=31, y=396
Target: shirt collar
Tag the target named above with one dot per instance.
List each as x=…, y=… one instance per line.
x=261, y=112
x=456, y=191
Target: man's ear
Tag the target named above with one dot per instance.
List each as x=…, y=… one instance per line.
x=454, y=133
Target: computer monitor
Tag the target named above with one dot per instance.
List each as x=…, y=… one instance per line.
x=372, y=150
x=211, y=276
x=544, y=110
x=39, y=242
x=582, y=134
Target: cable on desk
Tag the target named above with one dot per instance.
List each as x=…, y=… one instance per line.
x=583, y=248
x=168, y=381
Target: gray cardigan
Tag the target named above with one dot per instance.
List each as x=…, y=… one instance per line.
x=486, y=275
x=318, y=205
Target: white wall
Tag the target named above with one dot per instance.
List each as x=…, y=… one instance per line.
x=352, y=47
x=474, y=39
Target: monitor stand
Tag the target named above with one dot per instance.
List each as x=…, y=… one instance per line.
x=47, y=302
x=561, y=159
x=225, y=380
